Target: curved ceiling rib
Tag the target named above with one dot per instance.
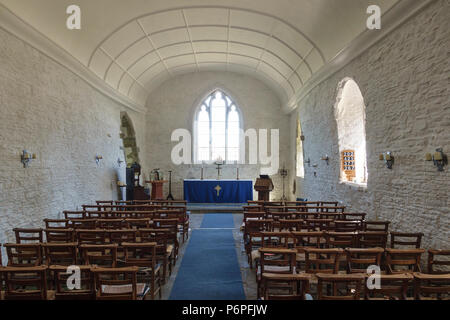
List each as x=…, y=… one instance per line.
x=142, y=50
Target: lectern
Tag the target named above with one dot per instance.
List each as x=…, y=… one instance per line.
x=264, y=186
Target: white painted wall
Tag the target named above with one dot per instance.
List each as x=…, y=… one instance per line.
x=404, y=82
x=49, y=111
x=172, y=106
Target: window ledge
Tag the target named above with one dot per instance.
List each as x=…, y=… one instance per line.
x=354, y=185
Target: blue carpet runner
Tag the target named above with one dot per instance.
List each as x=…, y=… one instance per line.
x=210, y=268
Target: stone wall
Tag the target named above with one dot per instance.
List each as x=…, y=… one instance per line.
x=49, y=111
x=404, y=80
x=173, y=104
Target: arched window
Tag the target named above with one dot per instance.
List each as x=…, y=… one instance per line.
x=217, y=129
x=350, y=113
x=299, y=155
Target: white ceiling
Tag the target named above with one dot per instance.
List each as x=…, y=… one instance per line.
x=134, y=45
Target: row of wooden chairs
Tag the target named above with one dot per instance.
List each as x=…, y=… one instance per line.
x=293, y=203
x=82, y=219
x=358, y=261
x=142, y=202
x=349, y=286
x=279, y=215
x=326, y=239
x=31, y=283
x=308, y=224
x=146, y=255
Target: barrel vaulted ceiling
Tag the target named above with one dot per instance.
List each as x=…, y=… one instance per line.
x=135, y=45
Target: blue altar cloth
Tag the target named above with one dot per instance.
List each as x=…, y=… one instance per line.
x=218, y=191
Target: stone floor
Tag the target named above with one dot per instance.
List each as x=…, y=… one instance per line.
x=248, y=275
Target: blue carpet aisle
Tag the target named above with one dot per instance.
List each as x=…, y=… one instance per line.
x=210, y=268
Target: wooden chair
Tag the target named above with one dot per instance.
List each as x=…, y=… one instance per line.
x=118, y=284
x=291, y=225
x=358, y=260
x=322, y=260
x=341, y=239
x=82, y=224
x=354, y=216
x=91, y=236
x=23, y=254
x=164, y=251
x=377, y=226
x=109, y=224
x=347, y=225
x=431, y=286
x=297, y=284
x=392, y=287
x=86, y=290
x=172, y=226
x=99, y=255
x=25, y=283
x=275, y=260
x=69, y=215
x=59, y=235
x=276, y=239
x=137, y=224
x=400, y=239
x=144, y=256
x=105, y=202
x=119, y=236
x=28, y=235
x=343, y=286
x=56, y=223
x=442, y=265
x=372, y=239
x=406, y=259
x=64, y=254
x=318, y=224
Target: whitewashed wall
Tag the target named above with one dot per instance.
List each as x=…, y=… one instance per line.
x=172, y=106
x=49, y=111
x=405, y=83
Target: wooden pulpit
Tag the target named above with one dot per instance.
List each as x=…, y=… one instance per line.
x=157, y=189
x=264, y=186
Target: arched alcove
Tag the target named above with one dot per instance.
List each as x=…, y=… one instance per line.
x=350, y=113
x=128, y=135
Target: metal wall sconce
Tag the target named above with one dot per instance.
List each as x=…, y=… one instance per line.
x=119, y=162
x=388, y=158
x=26, y=158
x=98, y=158
x=326, y=158
x=308, y=162
x=439, y=159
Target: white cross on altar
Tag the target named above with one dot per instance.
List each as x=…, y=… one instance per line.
x=218, y=188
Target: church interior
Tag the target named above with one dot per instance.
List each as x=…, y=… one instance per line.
x=224, y=150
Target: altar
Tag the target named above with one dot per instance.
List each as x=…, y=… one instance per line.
x=218, y=191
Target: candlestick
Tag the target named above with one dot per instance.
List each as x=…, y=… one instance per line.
x=202, y=174
x=237, y=173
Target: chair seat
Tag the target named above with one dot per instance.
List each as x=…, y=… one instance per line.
x=276, y=269
x=255, y=255
x=124, y=289
x=300, y=257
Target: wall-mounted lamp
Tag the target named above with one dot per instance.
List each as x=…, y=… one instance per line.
x=26, y=158
x=326, y=158
x=119, y=161
x=388, y=159
x=439, y=158
x=302, y=137
x=308, y=162
x=121, y=184
x=98, y=158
